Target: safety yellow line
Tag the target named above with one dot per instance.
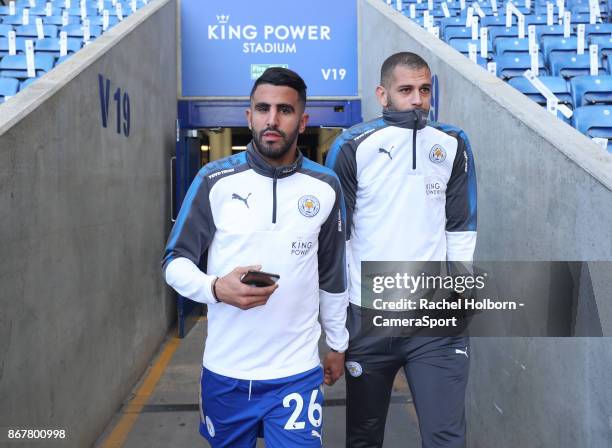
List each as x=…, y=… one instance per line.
x=132, y=410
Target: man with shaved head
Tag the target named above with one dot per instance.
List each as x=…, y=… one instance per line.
x=410, y=192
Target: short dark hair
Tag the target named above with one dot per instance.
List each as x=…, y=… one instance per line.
x=279, y=76
x=410, y=60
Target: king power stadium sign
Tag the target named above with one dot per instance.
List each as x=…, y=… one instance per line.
x=227, y=45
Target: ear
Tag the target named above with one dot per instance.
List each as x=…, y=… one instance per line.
x=381, y=94
x=247, y=112
x=303, y=122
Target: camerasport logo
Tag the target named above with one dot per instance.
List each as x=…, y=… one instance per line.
x=309, y=206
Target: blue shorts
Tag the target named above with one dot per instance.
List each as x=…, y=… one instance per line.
x=286, y=412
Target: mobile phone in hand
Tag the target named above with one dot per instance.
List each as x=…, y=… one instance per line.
x=259, y=278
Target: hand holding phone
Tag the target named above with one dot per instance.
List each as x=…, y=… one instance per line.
x=235, y=287
x=259, y=278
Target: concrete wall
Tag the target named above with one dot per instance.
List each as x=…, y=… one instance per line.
x=544, y=193
x=84, y=221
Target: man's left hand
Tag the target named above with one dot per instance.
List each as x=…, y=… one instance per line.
x=333, y=367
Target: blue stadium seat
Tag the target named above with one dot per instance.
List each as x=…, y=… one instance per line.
x=127, y=8
x=599, y=29
x=545, y=30
x=501, y=7
x=8, y=87
x=437, y=14
x=515, y=65
x=462, y=46
x=4, y=45
x=594, y=121
x=417, y=6
x=580, y=9
x=30, y=31
x=581, y=18
x=488, y=10
x=52, y=45
x=5, y=29
x=57, y=20
x=487, y=3
x=454, y=11
x=12, y=20
x=540, y=9
x=463, y=13
x=97, y=21
x=455, y=33
x=511, y=45
x=556, y=84
x=537, y=19
x=585, y=9
x=554, y=44
x=499, y=20
x=450, y=22
x=113, y=12
x=77, y=31
x=604, y=43
x=588, y=90
x=572, y=3
x=569, y=65
x=42, y=11
x=16, y=66
x=502, y=31
x=526, y=11
x=77, y=11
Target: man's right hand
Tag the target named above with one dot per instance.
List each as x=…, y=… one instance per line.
x=232, y=291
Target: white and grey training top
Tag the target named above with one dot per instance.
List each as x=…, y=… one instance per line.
x=241, y=211
x=410, y=192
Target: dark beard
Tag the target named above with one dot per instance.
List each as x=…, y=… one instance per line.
x=267, y=150
x=391, y=107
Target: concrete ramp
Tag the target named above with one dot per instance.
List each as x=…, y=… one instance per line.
x=84, y=175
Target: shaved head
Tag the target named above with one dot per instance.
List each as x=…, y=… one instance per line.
x=406, y=59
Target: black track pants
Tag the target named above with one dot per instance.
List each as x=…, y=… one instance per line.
x=437, y=371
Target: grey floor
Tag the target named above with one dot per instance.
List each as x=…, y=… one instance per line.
x=170, y=418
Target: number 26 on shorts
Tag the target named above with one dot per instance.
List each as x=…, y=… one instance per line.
x=315, y=411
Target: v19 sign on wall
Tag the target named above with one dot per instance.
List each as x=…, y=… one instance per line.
x=227, y=45
x=120, y=106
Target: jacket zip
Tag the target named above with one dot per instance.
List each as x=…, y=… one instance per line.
x=414, y=139
x=274, y=197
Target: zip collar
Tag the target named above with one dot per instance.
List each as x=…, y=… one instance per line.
x=407, y=119
x=261, y=166
x=415, y=119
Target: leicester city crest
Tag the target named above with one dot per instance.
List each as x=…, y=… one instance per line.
x=309, y=206
x=437, y=154
x=354, y=368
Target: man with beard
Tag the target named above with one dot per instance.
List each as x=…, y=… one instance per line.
x=267, y=208
x=410, y=191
